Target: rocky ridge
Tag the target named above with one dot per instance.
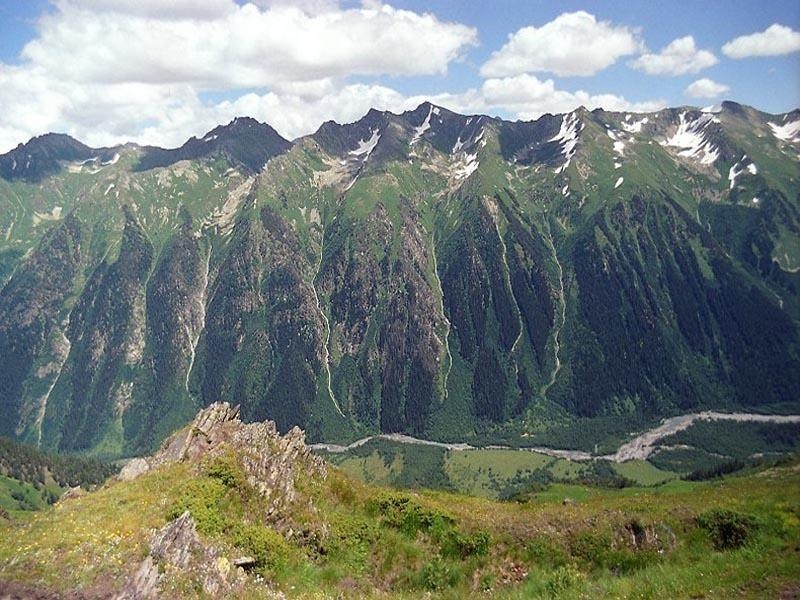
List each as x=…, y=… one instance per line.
x=271, y=464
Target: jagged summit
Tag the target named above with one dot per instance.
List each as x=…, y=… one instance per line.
x=45, y=155
x=245, y=142
x=258, y=468
x=248, y=144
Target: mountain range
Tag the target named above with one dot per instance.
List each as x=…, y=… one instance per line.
x=441, y=275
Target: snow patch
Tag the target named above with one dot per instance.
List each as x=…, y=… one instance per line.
x=733, y=173
x=690, y=138
x=790, y=132
x=567, y=135
x=462, y=144
x=112, y=161
x=756, y=200
x=468, y=167
x=636, y=126
x=351, y=184
x=619, y=147
x=108, y=189
x=365, y=147
x=713, y=109
x=617, y=165
x=619, y=182
x=565, y=190
x=739, y=168
x=418, y=131
x=210, y=138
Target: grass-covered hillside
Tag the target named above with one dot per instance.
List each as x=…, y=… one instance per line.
x=305, y=529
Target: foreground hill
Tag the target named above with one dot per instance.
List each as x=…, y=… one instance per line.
x=226, y=509
x=431, y=273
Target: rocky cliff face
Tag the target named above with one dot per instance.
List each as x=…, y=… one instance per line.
x=429, y=273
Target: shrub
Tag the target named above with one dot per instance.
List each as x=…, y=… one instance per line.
x=456, y=544
x=438, y=574
x=590, y=546
x=544, y=551
x=727, y=529
x=202, y=498
x=266, y=546
x=406, y=514
x=226, y=469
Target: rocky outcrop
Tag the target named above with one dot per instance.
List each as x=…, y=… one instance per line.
x=177, y=546
x=271, y=463
x=270, y=460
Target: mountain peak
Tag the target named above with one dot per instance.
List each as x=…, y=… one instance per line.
x=246, y=142
x=42, y=156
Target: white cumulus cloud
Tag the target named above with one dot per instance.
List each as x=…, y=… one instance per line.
x=244, y=46
x=571, y=44
x=773, y=41
x=680, y=56
x=705, y=88
x=527, y=97
x=174, y=9
x=108, y=71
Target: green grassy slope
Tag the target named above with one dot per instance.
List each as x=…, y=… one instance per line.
x=736, y=536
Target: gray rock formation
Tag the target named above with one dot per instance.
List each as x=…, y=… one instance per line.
x=176, y=546
x=271, y=464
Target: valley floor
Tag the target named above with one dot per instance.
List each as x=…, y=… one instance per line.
x=638, y=448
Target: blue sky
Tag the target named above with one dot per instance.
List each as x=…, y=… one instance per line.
x=150, y=71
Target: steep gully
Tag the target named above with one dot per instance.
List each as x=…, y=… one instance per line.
x=201, y=306
x=444, y=316
x=639, y=448
x=327, y=324
x=559, y=325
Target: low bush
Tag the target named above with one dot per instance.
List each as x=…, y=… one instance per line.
x=728, y=529
x=266, y=546
x=438, y=574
